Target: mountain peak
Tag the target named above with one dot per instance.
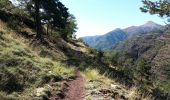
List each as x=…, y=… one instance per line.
x=117, y=29
x=151, y=24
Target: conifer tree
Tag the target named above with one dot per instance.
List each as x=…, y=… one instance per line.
x=161, y=7
x=51, y=12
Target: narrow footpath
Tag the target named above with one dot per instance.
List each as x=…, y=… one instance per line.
x=71, y=90
x=76, y=88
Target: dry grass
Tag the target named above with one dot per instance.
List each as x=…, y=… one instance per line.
x=28, y=69
x=134, y=93
x=93, y=75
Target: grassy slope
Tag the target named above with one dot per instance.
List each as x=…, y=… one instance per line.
x=23, y=70
x=28, y=69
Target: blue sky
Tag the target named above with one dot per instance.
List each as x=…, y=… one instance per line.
x=96, y=17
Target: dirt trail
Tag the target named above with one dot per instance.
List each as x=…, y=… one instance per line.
x=76, y=88
x=71, y=90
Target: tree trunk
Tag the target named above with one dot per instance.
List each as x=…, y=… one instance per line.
x=37, y=19
x=51, y=29
x=47, y=28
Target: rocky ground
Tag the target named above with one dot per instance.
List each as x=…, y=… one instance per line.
x=105, y=92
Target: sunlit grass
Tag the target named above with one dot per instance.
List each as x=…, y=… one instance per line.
x=134, y=93
x=29, y=71
x=94, y=75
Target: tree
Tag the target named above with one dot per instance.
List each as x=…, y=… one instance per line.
x=33, y=7
x=37, y=19
x=114, y=57
x=161, y=7
x=56, y=15
x=142, y=71
x=70, y=28
x=52, y=13
x=5, y=4
x=100, y=55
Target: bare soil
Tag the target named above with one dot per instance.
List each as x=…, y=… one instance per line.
x=76, y=88
x=71, y=90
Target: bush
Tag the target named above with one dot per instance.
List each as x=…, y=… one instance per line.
x=114, y=57
x=5, y=4
x=13, y=23
x=92, y=51
x=4, y=96
x=142, y=71
x=11, y=80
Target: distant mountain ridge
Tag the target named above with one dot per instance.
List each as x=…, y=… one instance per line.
x=145, y=28
x=110, y=39
x=106, y=41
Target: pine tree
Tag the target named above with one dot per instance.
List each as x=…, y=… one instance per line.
x=37, y=19
x=51, y=12
x=161, y=7
x=5, y=4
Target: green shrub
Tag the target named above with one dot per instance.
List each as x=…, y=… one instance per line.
x=142, y=71
x=92, y=51
x=11, y=80
x=5, y=3
x=4, y=96
x=113, y=56
x=13, y=23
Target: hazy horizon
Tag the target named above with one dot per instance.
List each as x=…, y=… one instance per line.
x=99, y=17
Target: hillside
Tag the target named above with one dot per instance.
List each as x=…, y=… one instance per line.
x=41, y=59
x=25, y=69
x=48, y=70
x=154, y=48
x=33, y=71
x=108, y=40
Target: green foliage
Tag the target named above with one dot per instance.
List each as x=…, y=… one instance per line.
x=128, y=67
x=92, y=51
x=160, y=7
x=56, y=13
x=114, y=57
x=94, y=75
x=142, y=71
x=62, y=71
x=70, y=28
x=4, y=4
x=128, y=62
x=4, y=96
x=53, y=15
x=91, y=74
x=100, y=55
x=11, y=80
x=13, y=23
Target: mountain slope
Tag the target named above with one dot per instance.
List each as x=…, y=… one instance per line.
x=143, y=29
x=45, y=70
x=107, y=41
x=31, y=70
x=155, y=49
x=25, y=71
